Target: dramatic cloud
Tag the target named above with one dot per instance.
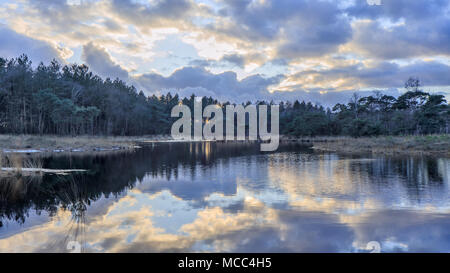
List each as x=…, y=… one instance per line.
x=154, y=13
x=383, y=75
x=235, y=60
x=403, y=41
x=61, y=14
x=100, y=62
x=326, y=86
x=196, y=79
x=402, y=29
x=415, y=10
x=296, y=28
x=317, y=50
x=13, y=44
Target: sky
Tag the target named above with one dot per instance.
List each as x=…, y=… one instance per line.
x=321, y=51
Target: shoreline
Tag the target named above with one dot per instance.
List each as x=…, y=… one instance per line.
x=438, y=145
x=49, y=144
x=389, y=145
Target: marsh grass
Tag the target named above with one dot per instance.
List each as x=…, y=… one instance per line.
x=85, y=143
x=17, y=164
x=32, y=163
x=16, y=161
x=427, y=144
x=11, y=161
x=431, y=144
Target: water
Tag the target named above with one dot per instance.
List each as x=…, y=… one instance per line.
x=182, y=197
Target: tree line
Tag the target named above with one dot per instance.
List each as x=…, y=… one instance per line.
x=413, y=113
x=71, y=100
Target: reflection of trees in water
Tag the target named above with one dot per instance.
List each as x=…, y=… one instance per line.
x=416, y=174
x=112, y=174
x=109, y=175
x=71, y=193
x=75, y=199
x=14, y=192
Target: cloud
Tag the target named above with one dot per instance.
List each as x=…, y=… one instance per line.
x=235, y=60
x=162, y=13
x=295, y=28
x=14, y=44
x=402, y=41
x=63, y=17
x=401, y=29
x=241, y=39
x=112, y=25
x=100, y=61
x=323, y=86
x=188, y=80
x=417, y=10
x=382, y=75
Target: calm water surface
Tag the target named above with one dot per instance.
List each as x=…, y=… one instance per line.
x=196, y=197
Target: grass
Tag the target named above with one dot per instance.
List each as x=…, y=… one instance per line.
x=427, y=144
x=17, y=164
x=51, y=143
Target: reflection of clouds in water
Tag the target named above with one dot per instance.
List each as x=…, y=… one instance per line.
x=255, y=227
x=345, y=185
x=402, y=230
x=276, y=203
x=135, y=231
x=200, y=183
x=104, y=232
x=325, y=187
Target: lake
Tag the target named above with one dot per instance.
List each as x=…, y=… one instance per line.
x=219, y=197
